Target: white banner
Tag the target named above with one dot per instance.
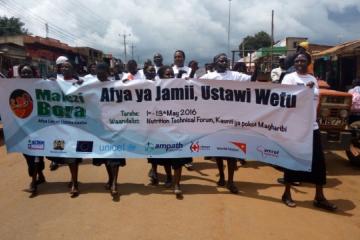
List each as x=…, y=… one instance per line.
x=164, y=118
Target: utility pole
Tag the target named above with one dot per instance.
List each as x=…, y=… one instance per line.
x=124, y=36
x=132, y=51
x=272, y=38
x=46, y=30
x=228, y=43
x=272, y=27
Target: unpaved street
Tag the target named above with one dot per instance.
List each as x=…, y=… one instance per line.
x=147, y=212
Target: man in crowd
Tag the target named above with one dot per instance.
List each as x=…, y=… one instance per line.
x=277, y=74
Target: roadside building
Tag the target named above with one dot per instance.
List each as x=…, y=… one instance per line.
x=339, y=65
x=42, y=52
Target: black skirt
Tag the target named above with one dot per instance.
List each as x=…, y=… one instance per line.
x=175, y=163
x=318, y=168
x=64, y=160
x=222, y=158
x=30, y=160
x=109, y=161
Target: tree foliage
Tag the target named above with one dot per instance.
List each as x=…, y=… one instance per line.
x=259, y=40
x=11, y=26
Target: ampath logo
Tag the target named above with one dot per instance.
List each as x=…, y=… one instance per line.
x=21, y=103
x=167, y=146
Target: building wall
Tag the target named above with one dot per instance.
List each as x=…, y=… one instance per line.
x=18, y=40
x=292, y=43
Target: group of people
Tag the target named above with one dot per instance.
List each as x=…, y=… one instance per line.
x=219, y=70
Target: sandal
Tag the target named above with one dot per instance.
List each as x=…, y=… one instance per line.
x=325, y=204
x=74, y=191
x=232, y=188
x=115, y=194
x=288, y=201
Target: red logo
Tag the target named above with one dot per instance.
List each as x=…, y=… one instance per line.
x=21, y=103
x=241, y=146
x=195, y=147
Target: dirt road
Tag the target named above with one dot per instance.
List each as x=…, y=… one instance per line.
x=147, y=212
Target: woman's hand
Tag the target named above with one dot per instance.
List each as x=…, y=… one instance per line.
x=310, y=84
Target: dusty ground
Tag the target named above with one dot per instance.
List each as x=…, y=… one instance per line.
x=146, y=212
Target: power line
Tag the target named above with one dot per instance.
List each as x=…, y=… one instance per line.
x=21, y=15
x=81, y=5
x=16, y=11
x=21, y=10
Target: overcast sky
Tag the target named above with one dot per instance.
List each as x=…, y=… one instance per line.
x=199, y=27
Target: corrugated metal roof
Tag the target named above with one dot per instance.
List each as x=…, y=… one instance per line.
x=341, y=49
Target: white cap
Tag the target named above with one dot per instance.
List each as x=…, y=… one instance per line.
x=61, y=60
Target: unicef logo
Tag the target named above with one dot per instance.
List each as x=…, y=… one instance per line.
x=21, y=103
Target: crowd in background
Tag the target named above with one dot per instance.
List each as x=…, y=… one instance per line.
x=297, y=71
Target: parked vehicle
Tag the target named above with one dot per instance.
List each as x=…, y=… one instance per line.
x=333, y=116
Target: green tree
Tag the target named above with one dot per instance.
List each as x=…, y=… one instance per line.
x=259, y=40
x=11, y=26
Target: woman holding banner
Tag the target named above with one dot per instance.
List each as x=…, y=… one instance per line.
x=166, y=72
x=317, y=175
x=35, y=163
x=112, y=164
x=221, y=72
x=73, y=163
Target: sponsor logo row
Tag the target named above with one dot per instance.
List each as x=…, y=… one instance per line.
x=59, y=145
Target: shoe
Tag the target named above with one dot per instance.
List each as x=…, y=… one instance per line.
x=325, y=204
x=242, y=161
x=221, y=182
x=288, y=201
x=232, y=188
x=154, y=180
x=189, y=166
x=177, y=190
x=33, y=189
x=168, y=183
x=281, y=181
x=114, y=193
x=53, y=166
x=151, y=172
x=40, y=180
